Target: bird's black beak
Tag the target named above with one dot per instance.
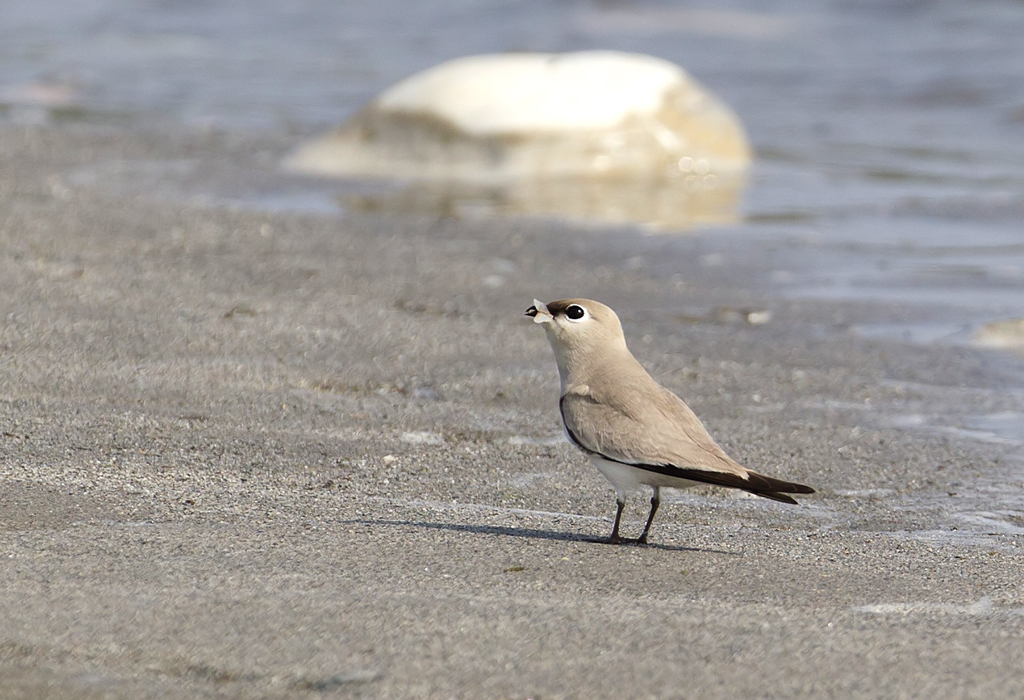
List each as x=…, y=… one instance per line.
x=532, y=311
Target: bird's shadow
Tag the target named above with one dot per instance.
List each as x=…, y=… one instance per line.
x=532, y=533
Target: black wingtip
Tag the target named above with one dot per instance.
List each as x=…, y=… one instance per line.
x=776, y=496
x=770, y=484
x=532, y=311
x=757, y=484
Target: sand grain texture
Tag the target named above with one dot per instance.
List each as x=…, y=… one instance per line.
x=265, y=456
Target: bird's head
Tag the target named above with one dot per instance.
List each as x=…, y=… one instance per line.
x=578, y=327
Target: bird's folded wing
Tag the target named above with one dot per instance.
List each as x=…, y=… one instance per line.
x=658, y=432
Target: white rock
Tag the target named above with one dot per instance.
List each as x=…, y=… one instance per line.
x=598, y=115
x=522, y=93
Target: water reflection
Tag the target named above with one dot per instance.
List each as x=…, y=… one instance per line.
x=680, y=204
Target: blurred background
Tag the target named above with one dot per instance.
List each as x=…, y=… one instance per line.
x=889, y=135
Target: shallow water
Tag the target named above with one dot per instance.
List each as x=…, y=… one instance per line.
x=890, y=135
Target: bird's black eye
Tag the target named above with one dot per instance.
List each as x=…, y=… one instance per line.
x=575, y=312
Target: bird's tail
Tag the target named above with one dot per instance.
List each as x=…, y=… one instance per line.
x=757, y=484
x=775, y=489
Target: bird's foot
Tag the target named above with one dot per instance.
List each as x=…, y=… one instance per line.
x=639, y=541
x=614, y=539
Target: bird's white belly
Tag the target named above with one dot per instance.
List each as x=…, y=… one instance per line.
x=626, y=478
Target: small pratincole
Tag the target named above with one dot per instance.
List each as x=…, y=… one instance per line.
x=635, y=431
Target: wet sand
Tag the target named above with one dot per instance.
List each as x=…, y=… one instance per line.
x=278, y=455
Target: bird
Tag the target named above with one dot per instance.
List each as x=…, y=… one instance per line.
x=635, y=431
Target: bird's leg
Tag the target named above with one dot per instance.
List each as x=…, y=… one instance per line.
x=620, y=503
x=655, y=502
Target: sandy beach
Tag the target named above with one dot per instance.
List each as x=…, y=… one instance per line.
x=259, y=455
